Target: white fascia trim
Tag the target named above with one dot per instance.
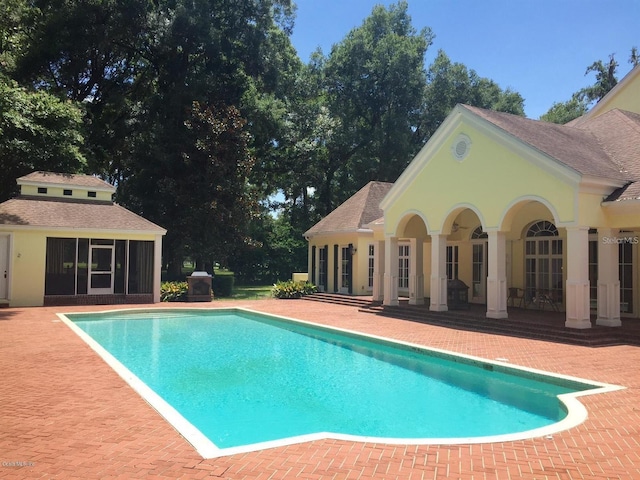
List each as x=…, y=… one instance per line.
x=540, y=159
x=423, y=157
x=459, y=115
x=367, y=231
x=601, y=105
x=13, y=228
x=599, y=185
x=623, y=206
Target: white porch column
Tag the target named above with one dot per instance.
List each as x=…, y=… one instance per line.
x=438, y=273
x=608, y=279
x=378, y=271
x=416, y=275
x=578, y=310
x=157, y=267
x=391, y=271
x=497, y=275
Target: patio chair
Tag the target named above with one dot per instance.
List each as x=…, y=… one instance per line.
x=516, y=296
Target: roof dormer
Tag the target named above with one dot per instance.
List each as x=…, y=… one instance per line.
x=63, y=185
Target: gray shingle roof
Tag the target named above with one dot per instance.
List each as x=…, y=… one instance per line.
x=67, y=179
x=73, y=214
x=577, y=147
x=361, y=208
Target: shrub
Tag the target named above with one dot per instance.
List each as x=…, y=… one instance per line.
x=292, y=289
x=222, y=285
x=173, y=291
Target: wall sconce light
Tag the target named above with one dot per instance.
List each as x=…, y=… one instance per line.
x=352, y=250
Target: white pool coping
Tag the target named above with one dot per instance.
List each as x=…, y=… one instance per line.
x=577, y=413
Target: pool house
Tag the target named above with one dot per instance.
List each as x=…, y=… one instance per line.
x=63, y=241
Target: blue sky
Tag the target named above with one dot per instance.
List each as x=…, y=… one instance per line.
x=539, y=48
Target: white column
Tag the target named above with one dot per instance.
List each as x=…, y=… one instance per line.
x=438, y=273
x=391, y=271
x=157, y=267
x=378, y=271
x=608, y=279
x=578, y=309
x=497, y=275
x=416, y=275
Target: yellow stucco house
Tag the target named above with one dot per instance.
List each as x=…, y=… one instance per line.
x=525, y=213
x=63, y=241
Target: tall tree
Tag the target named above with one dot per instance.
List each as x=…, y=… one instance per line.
x=450, y=83
x=38, y=131
x=583, y=99
x=374, y=88
x=140, y=68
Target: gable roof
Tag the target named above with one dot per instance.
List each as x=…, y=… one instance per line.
x=68, y=214
x=360, y=209
x=578, y=148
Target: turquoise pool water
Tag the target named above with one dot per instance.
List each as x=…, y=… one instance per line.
x=242, y=378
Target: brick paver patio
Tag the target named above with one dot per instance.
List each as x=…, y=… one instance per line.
x=65, y=414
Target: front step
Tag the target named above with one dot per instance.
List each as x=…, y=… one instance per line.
x=596, y=336
x=338, y=299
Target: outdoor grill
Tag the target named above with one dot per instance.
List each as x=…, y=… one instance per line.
x=199, y=287
x=457, y=294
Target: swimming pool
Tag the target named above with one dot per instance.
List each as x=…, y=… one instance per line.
x=234, y=380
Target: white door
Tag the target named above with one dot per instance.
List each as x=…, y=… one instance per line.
x=4, y=266
x=101, y=269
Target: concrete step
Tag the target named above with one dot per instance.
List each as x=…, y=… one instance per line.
x=596, y=336
x=339, y=299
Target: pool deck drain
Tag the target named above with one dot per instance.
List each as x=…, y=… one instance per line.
x=65, y=414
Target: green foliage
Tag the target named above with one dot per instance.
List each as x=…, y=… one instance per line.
x=451, y=83
x=222, y=285
x=173, y=291
x=606, y=79
x=292, y=289
x=37, y=132
x=564, y=112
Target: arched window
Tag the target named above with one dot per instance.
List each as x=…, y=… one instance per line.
x=477, y=234
x=542, y=229
x=543, y=262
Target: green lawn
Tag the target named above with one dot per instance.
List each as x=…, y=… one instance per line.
x=250, y=293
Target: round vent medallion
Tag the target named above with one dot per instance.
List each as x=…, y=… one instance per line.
x=461, y=146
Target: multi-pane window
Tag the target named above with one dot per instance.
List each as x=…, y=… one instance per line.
x=625, y=254
x=403, y=266
x=371, y=263
x=479, y=262
x=344, y=267
x=478, y=270
x=452, y=262
x=322, y=268
x=543, y=261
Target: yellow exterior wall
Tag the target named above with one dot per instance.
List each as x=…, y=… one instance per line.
x=28, y=260
x=76, y=193
x=445, y=183
x=625, y=97
x=27, y=269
